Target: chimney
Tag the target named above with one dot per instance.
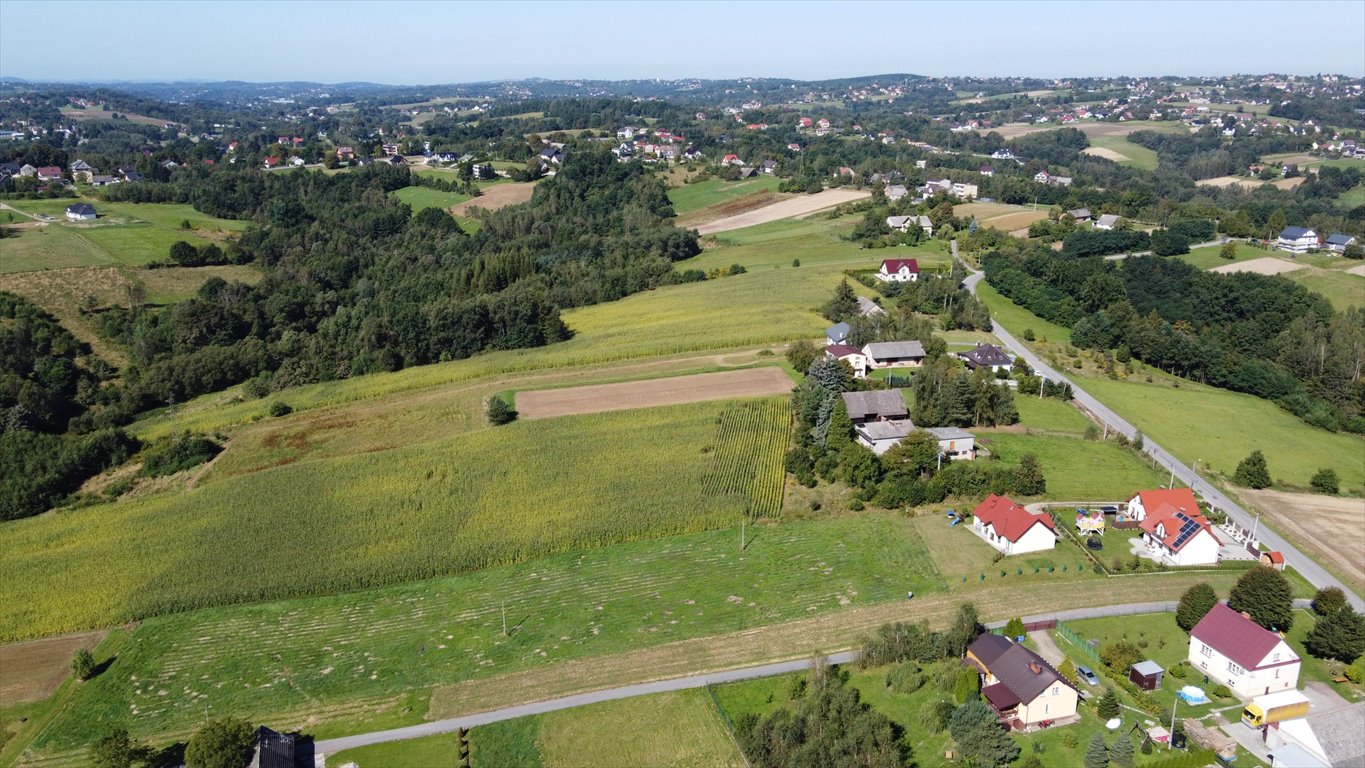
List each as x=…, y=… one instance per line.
x=1034, y=668
x=1246, y=615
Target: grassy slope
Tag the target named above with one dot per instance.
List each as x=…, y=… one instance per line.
x=1138, y=156
x=1208, y=258
x=425, y=197
x=1214, y=426
x=334, y=655
x=1078, y=470
x=681, y=728
x=703, y=194
x=1341, y=289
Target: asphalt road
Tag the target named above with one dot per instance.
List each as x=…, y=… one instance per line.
x=323, y=748
x=1316, y=574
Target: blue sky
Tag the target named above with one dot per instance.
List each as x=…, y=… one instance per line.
x=431, y=42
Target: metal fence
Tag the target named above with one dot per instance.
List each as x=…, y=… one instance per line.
x=1068, y=634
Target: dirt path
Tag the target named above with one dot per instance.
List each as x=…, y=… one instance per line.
x=785, y=209
x=1330, y=528
x=32, y=671
x=1047, y=648
x=598, y=398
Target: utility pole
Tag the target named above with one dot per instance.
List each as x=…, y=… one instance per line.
x=1174, y=705
x=1171, y=483
x=504, y=618
x=741, y=535
x=1256, y=528
x=1042, y=381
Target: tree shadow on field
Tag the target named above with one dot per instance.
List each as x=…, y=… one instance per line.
x=101, y=667
x=168, y=757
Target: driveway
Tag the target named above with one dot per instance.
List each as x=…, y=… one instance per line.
x=1047, y=647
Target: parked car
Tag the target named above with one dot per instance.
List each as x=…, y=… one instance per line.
x=1086, y=675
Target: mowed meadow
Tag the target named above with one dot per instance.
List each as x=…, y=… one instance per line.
x=486, y=498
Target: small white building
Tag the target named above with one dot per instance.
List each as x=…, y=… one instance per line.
x=1297, y=240
x=1237, y=652
x=904, y=223
x=1107, y=221
x=80, y=212
x=955, y=444
x=898, y=270
x=1011, y=529
x=851, y=355
x=1338, y=243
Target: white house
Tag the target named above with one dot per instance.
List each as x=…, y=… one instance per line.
x=80, y=212
x=838, y=333
x=851, y=355
x=1337, y=242
x=1237, y=652
x=1297, y=240
x=880, y=436
x=1012, y=529
x=898, y=271
x=1107, y=221
x=894, y=354
x=1173, y=528
x=987, y=356
x=964, y=191
x=903, y=224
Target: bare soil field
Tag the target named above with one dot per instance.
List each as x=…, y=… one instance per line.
x=1001, y=216
x=1015, y=130
x=1360, y=270
x=1267, y=265
x=597, y=398
x=497, y=196
x=1227, y=181
x=731, y=208
x=32, y=671
x=1107, y=154
x=785, y=209
x=1330, y=528
x=1221, y=181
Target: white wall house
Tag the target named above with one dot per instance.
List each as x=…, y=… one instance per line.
x=1297, y=240
x=1173, y=529
x=1237, y=652
x=898, y=270
x=955, y=444
x=851, y=355
x=880, y=436
x=1010, y=528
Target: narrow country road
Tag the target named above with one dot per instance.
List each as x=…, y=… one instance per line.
x=331, y=746
x=1219, y=241
x=1316, y=574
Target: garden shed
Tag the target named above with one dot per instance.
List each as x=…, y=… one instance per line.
x=1146, y=675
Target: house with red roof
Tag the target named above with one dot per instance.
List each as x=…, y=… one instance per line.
x=1237, y=652
x=851, y=355
x=1012, y=529
x=49, y=173
x=732, y=160
x=898, y=271
x=1173, y=528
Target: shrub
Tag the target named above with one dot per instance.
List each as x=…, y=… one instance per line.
x=1326, y=481
x=906, y=678
x=1069, y=739
x=935, y=715
x=499, y=412
x=179, y=453
x=280, y=408
x=1221, y=692
x=83, y=664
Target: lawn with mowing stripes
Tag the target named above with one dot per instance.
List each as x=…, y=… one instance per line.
x=703, y=194
x=351, y=654
x=421, y=198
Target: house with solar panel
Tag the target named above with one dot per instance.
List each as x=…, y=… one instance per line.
x=1174, y=529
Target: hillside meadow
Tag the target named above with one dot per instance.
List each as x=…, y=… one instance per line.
x=489, y=497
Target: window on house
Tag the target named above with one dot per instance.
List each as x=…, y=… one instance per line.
x=1046, y=707
x=1204, y=649
x=1234, y=669
x=1276, y=657
x=1055, y=688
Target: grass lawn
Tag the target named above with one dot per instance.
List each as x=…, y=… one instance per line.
x=1076, y=469
x=52, y=247
x=703, y=194
x=1138, y=156
x=1050, y=414
x=1208, y=258
x=1219, y=428
x=1315, y=669
x=353, y=661
x=421, y=198
x=962, y=558
x=1342, y=290
x=508, y=743
x=1352, y=197
x=1017, y=319
x=439, y=751
x=679, y=728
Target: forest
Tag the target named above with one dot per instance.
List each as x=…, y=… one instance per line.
x=1258, y=334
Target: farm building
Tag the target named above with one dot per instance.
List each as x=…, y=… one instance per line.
x=272, y=749
x=1079, y=214
x=1146, y=675
x=80, y=212
x=987, y=356
x=956, y=444
x=1273, y=560
x=851, y=355
x=869, y=308
x=1010, y=528
x=894, y=354
x=1106, y=221
x=1237, y=652
x=875, y=405
x=896, y=192
x=1296, y=240
x=881, y=436
x=898, y=271
x=1023, y=689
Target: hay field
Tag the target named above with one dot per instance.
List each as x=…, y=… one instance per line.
x=1106, y=153
x=1002, y=216
x=497, y=196
x=784, y=209
x=1266, y=265
x=1331, y=528
x=33, y=670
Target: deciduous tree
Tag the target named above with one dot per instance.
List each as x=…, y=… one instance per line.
x=1328, y=600
x=223, y=743
x=1252, y=471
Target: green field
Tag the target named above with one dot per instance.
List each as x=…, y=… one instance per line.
x=1077, y=470
x=1016, y=319
x=1353, y=197
x=439, y=751
x=129, y=234
x=1219, y=428
x=703, y=194
x=1138, y=156
x=342, y=658
x=481, y=499
x=421, y=198
x=1208, y=258
x=962, y=558
x=1341, y=289
x=1049, y=414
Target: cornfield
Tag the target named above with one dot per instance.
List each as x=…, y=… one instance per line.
x=477, y=500
x=751, y=440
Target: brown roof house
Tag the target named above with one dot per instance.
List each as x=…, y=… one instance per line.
x=1023, y=689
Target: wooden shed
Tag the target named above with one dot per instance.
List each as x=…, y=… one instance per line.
x=1146, y=675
